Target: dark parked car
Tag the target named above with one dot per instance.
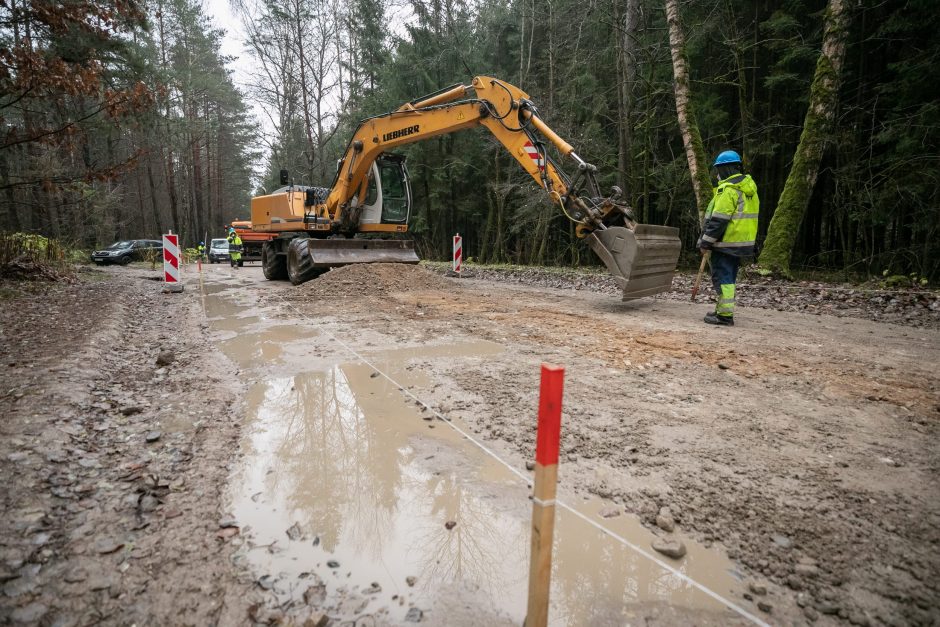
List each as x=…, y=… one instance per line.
x=128, y=250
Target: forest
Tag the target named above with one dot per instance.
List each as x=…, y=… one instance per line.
x=124, y=119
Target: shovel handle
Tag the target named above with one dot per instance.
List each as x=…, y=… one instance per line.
x=698, y=277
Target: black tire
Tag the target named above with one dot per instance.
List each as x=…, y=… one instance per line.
x=126, y=259
x=299, y=264
x=273, y=265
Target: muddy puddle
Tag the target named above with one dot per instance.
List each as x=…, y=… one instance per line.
x=353, y=499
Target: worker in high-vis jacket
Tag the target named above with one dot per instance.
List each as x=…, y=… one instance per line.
x=234, y=248
x=729, y=232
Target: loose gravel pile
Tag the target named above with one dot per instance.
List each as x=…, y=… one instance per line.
x=374, y=279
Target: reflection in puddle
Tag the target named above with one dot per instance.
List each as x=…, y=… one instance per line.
x=342, y=455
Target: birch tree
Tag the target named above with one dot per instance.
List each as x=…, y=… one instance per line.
x=688, y=126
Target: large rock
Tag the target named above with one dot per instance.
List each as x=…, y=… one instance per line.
x=670, y=548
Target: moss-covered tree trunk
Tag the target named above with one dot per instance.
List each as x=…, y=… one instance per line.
x=817, y=129
x=688, y=126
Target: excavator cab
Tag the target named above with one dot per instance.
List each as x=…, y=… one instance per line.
x=388, y=196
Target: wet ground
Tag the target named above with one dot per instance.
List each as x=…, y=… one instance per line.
x=351, y=491
x=353, y=451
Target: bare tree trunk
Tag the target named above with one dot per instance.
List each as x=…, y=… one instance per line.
x=817, y=128
x=626, y=65
x=688, y=126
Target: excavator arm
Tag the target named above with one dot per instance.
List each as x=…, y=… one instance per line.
x=505, y=111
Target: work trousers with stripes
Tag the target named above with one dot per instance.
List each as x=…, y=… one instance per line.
x=724, y=276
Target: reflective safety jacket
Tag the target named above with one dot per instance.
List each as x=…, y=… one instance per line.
x=731, y=217
x=234, y=243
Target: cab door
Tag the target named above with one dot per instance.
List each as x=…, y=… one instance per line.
x=388, y=195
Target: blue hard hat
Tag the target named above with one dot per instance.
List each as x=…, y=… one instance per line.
x=728, y=156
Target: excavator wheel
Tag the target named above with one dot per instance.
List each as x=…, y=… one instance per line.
x=273, y=265
x=300, y=268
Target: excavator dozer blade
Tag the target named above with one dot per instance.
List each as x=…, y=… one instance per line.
x=328, y=253
x=642, y=261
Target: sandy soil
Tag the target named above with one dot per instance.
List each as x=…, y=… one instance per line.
x=113, y=464
x=804, y=445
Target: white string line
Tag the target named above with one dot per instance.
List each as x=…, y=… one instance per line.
x=701, y=587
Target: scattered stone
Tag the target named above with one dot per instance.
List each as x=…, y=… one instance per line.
x=782, y=541
x=165, y=358
x=722, y=365
x=148, y=503
x=227, y=532
x=266, y=582
x=670, y=548
x=530, y=465
x=315, y=595
x=317, y=619
x=795, y=583
x=29, y=613
x=294, y=532
x=172, y=513
x=609, y=512
x=373, y=375
x=411, y=581
x=333, y=564
x=830, y=609
x=107, y=545
x=450, y=524
x=664, y=520
x=757, y=588
x=130, y=410
x=153, y=436
x=375, y=588
x=76, y=575
x=806, y=570
x=228, y=522
x=414, y=615
x=810, y=613
x=764, y=606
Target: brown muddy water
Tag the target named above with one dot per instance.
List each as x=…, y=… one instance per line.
x=345, y=487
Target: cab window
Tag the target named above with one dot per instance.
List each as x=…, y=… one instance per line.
x=394, y=194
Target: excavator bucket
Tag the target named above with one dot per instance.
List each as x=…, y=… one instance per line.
x=642, y=260
x=327, y=253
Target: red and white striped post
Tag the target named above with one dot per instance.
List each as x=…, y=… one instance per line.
x=171, y=263
x=458, y=253
x=548, y=439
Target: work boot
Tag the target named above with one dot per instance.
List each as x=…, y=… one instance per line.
x=713, y=318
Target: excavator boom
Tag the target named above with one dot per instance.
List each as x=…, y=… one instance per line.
x=366, y=196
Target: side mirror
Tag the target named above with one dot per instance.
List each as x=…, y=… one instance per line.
x=285, y=177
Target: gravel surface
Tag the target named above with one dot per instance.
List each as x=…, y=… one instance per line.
x=912, y=307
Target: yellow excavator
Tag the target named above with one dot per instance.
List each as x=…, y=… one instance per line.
x=320, y=228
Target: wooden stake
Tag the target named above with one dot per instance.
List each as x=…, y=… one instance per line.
x=547, y=443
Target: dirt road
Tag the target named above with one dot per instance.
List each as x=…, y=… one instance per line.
x=797, y=456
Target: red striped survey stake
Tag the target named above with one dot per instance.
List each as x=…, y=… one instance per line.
x=547, y=442
x=458, y=253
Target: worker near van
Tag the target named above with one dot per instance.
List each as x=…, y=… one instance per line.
x=202, y=250
x=234, y=247
x=729, y=231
